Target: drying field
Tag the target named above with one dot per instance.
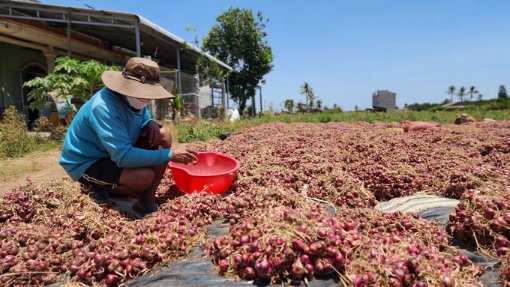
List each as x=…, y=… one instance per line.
x=278, y=230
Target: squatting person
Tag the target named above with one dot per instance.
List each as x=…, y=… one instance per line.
x=114, y=147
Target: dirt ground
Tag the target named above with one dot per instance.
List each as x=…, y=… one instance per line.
x=38, y=167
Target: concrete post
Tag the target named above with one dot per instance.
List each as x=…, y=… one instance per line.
x=223, y=106
x=50, y=56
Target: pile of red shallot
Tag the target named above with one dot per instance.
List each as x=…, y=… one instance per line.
x=482, y=221
x=302, y=208
x=53, y=233
x=282, y=243
x=505, y=270
x=353, y=166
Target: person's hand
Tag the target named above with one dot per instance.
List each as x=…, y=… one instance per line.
x=152, y=133
x=185, y=156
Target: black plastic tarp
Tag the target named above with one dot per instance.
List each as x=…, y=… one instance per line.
x=198, y=270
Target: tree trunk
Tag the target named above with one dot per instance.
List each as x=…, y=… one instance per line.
x=242, y=106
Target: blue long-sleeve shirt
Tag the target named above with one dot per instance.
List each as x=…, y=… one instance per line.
x=107, y=127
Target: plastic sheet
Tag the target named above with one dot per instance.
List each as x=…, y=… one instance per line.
x=198, y=270
x=438, y=208
x=416, y=203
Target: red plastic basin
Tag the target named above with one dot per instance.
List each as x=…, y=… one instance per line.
x=213, y=173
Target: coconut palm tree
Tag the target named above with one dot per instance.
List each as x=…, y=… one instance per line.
x=472, y=91
x=461, y=93
x=307, y=90
x=451, y=92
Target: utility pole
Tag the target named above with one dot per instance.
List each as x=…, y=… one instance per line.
x=260, y=95
x=223, y=100
x=253, y=111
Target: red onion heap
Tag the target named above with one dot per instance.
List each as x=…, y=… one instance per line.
x=62, y=232
x=279, y=232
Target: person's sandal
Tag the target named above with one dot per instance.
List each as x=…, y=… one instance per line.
x=141, y=212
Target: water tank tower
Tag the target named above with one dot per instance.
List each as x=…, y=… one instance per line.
x=384, y=100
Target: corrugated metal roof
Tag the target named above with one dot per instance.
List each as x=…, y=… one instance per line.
x=111, y=28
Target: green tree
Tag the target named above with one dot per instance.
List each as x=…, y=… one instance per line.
x=502, y=92
x=472, y=91
x=177, y=104
x=210, y=71
x=289, y=105
x=72, y=80
x=307, y=90
x=238, y=40
x=300, y=107
x=451, y=92
x=422, y=106
x=192, y=29
x=319, y=104
x=461, y=93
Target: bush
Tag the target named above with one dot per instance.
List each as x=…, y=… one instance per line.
x=325, y=118
x=14, y=138
x=201, y=131
x=57, y=132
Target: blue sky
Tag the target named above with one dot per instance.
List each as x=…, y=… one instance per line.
x=346, y=50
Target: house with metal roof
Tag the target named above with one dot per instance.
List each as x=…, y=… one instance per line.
x=33, y=34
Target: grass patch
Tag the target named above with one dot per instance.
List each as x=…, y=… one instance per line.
x=444, y=117
x=16, y=141
x=14, y=138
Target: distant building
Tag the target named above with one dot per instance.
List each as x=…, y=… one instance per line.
x=384, y=100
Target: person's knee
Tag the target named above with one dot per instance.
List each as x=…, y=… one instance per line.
x=142, y=180
x=166, y=138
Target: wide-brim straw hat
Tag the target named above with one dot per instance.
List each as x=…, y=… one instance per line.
x=139, y=79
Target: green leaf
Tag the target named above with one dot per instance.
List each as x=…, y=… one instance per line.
x=72, y=78
x=238, y=40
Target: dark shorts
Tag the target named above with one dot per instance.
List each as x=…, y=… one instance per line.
x=103, y=173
